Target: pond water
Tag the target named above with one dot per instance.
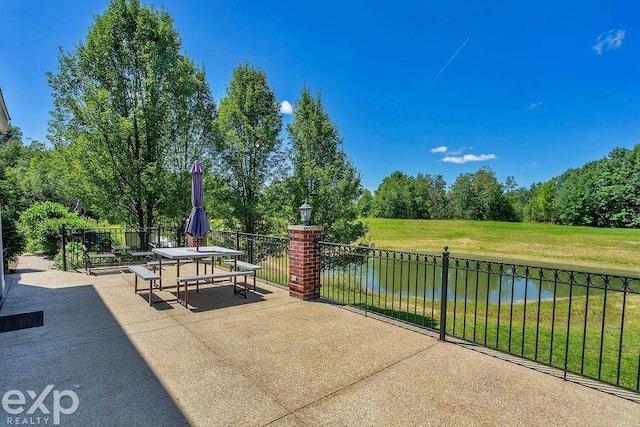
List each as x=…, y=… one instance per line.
x=420, y=280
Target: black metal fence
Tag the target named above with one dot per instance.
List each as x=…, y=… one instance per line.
x=582, y=323
x=119, y=240
x=270, y=252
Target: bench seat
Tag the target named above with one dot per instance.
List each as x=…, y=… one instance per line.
x=212, y=276
x=90, y=257
x=245, y=266
x=154, y=264
x=97, y=256
x=145, y=274
x=141, y=253
x=189, y=280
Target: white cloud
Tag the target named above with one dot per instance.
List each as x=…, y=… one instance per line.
x=459, y=151
x=534, y=105
x=469, y=158
x=441, y=149
x=285, y=107
x=612, y=39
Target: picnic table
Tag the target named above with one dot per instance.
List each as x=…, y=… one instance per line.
x=187, y=254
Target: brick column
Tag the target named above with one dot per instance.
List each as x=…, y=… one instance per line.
x=304, y=261
x=191, y=241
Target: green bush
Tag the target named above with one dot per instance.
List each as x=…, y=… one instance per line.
x=42, y=223
x=13, y=239
x=75, y=259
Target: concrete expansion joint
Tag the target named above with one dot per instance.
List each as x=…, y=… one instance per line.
x=340, y=390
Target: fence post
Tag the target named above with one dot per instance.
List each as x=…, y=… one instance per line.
x=304, y=261
x=443, y=294
x=250, y=250
x=64, y=247
x=237, y=240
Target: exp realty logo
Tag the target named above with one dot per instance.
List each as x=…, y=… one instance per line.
x=38, y=410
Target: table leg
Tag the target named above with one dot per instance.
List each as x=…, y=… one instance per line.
x=197, y=274
x=160, y=268
x=235, y=268
x=186, y=295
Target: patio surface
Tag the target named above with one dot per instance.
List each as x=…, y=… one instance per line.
x=269, y=360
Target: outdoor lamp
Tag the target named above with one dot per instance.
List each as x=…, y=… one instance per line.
x=305, y=213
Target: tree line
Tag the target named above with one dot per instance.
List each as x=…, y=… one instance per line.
x=602, y=193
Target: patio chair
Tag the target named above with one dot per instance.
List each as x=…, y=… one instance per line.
x=137, y=240
x=96, y=248
x=139, y=244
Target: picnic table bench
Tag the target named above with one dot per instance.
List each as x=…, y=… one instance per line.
x=89, y=258
x=245, y=266
x=155, y=264
x=145, y=274
x=211, y=277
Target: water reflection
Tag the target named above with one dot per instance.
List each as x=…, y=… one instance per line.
x=470, y=280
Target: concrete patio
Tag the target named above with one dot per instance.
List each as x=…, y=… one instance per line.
x=269, y=360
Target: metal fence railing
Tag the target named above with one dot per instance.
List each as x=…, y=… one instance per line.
x=119, y=240
x=582, y=323
x=270, y=252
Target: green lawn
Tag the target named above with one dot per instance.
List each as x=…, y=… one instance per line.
x=616, y=250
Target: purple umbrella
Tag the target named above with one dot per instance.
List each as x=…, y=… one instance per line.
x=198, y=225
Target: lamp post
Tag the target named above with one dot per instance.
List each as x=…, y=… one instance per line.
x=305, y=213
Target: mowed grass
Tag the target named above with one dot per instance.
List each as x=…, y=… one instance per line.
x=613, y=249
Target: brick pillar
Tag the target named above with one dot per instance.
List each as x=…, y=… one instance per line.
x=191, y=241
x=304, y=261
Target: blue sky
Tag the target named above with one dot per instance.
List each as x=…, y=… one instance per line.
x=527, y=88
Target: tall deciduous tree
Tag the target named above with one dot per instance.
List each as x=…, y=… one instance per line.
x=480, y=196
x=14, y=159
x=250, y=148
x=394, y=197
x=322, y=173
x=133, y=104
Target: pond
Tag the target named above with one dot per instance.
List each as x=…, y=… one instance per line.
x=478, y=281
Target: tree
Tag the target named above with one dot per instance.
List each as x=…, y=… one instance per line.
x=322, y=173
x=365, y=204
x=463, y=198
x=517, y=197
x=430, y=197
x=541, y=205
x=394, y=197
x=480, y=196
x=131, y=104
x=618, y=192
x=574, y=200
x=250, y=149
x=14, y=158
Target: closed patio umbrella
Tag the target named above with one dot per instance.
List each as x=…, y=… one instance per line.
x=197, y=225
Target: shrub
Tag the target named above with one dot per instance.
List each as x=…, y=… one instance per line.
x=12, y=239
x=75, y=259
x=42, y=223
